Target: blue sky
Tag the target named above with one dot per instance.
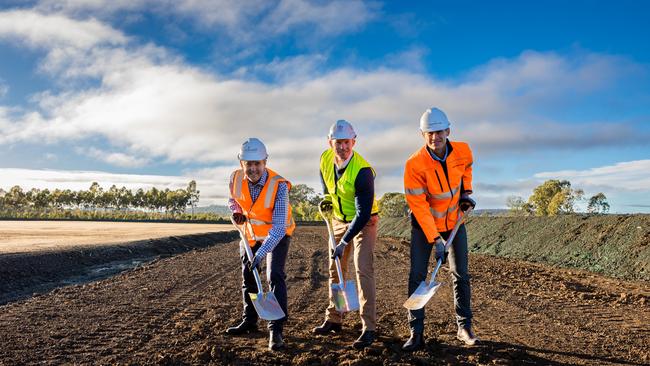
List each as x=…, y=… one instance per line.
x=145, y=92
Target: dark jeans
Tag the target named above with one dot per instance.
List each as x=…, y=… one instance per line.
x=275, y=263
x=458, y=264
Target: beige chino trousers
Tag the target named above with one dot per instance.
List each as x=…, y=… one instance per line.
x=362, y=248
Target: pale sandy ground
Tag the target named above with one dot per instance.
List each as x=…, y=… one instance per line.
x=28, y=236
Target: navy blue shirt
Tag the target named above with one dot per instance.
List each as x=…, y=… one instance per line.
x=364, y=196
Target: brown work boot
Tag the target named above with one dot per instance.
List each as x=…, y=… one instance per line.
x=466, y=335
x=328, y=327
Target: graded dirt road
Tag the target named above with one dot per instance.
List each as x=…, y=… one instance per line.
x=29, y=236
x=174, y=311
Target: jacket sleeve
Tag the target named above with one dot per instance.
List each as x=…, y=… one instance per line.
x=415, y=190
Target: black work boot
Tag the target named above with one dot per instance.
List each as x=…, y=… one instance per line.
x=365, y=339
x=276, y=343
x=242, y=328
x=327, y=327
x=414, y=343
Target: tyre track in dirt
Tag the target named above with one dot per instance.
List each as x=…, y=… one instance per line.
x=174, y=311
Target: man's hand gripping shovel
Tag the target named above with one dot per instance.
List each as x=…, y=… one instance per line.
x=265, y=304
x=426, y=290
x=344, y=293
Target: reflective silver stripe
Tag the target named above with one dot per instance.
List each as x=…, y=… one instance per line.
x=238, y=182
x=442, y=196
x=438, y=214
x=446, y=195
x=271, y=192
x=259, y=222
x=414, y=191
x=442, y=214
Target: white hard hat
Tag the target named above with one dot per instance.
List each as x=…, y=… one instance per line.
x=252, y=150
x=340, y=130
x=433, y=119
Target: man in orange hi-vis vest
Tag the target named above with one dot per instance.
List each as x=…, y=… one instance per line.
x=437, y=184
x=259, y=198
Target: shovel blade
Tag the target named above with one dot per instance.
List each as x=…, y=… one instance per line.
x=345, y=297
x=422, y=295
x=267, y=306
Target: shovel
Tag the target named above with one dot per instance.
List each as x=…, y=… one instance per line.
x=344, y=293
x=265, y=304
x=426, y=290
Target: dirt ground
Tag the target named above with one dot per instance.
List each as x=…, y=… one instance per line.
x=29, y=236
x=174, y=311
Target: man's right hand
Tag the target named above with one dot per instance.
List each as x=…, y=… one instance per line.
x=239, y=218
x=326, y=204
x=441, y=253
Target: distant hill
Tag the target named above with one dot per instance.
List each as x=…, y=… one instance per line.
x=216, y=209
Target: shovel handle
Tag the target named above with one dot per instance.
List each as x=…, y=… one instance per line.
x=249, y=254
x=449, y=241
x=332, y=244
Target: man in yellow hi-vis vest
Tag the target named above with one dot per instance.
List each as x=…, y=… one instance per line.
x=349, y=183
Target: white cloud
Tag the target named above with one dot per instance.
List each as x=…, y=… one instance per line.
x=331, y=18
x=245, y=21
x=54, y=30
x=114, y=158
x=626, y=176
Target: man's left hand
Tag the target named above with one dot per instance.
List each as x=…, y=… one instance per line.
x=255, y=263
x=466, y=202
x=338, y=251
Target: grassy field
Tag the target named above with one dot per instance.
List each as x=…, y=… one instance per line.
x=615, y=245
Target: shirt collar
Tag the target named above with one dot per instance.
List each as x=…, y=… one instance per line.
x=345, y=163
x=435, y=157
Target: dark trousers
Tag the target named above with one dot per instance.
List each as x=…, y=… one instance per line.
x=458, y=264
x=275, y=264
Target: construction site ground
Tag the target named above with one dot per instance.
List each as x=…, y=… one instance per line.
x=174, y=310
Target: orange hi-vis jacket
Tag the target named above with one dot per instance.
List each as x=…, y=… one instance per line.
x=433, y=195
x=259, y=214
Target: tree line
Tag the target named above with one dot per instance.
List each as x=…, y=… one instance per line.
x=556, y=197
x=97, y=198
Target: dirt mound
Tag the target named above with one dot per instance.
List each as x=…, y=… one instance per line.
x=615, y=245
x=173, y=311
x=22, y=274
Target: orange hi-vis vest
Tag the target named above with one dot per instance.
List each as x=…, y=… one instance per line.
x=433, y=195
x=259, y=214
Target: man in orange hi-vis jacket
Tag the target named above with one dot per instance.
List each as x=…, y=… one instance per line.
x=437, y=184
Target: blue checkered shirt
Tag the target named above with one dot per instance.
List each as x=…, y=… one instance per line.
x=279, y=228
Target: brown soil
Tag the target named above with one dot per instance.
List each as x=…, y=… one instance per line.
x=32, y=236
x=174, y=311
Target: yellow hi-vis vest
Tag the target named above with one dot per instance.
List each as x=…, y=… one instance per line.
x=259, y=213
x=342, y=191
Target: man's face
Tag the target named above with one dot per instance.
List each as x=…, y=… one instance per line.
x=342, y=147
x=435, y=140
x=253, y=169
